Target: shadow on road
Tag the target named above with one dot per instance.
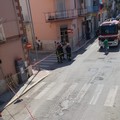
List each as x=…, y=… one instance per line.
x=111, y=49
x=65, y=63
x=6, y=97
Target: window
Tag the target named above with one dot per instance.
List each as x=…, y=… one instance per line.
x=2, y=35
x=75, y=4
x=94, y=2
x=110, y=29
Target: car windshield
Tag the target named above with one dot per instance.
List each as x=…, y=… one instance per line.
x=106, y=30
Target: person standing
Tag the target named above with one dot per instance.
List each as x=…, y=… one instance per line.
x=68, y=51
x=63, y=51
x=38, y=42
x=59, y=53
x=106, y=46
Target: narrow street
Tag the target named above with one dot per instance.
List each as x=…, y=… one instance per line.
x=86, y=89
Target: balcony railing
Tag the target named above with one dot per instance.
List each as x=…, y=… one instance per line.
x=69, y=14
x=60, y=15
x=92, y=9
x=81, y=12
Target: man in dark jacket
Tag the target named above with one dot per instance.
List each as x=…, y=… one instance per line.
x=59, y=53
x=68, y=51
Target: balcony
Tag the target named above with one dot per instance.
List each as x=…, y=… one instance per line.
x=81, y=12
x=60, y=15
x=92, y=9
x=65, y=15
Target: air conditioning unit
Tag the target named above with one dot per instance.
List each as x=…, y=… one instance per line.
x=2, y=34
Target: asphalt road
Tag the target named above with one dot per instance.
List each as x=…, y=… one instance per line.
x=85, y=89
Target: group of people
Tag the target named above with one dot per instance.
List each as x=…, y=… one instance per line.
x=38, y=44
x=61, y=51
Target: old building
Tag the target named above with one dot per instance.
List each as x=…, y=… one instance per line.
x=103, y=13
x=11, y=31
x=26, y=12
x=71, y=21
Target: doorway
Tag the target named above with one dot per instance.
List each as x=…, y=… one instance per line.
x=64, y=34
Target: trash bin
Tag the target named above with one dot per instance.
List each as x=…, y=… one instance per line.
x=20, y=69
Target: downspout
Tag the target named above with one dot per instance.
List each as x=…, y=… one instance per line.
x=32, y=27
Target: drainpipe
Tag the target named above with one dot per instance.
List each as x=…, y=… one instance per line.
x=32, y=27
x=1, y=69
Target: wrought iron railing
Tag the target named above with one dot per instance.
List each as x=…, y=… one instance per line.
x=68, y=14
x=81, y=12
x=60, y=15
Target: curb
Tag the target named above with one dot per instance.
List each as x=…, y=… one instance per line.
x=18, y=96
x=83, y=44
x=42, y=77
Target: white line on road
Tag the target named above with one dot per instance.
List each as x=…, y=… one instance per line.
x=96, y=94
x=53, y=58
x=49, y=60
x=53, y=55
x=82, y=92
x=56, y=91
x=46, y=63
x=36, y=89
x=44, y=66
x=111, y=97
x=69, y=91
x=41, y=94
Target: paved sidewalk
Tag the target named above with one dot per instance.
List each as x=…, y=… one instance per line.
x=32, y=81
x=36, y=78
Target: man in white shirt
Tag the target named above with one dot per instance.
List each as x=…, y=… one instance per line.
x=38, y=43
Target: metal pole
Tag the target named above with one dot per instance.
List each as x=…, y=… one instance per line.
x=2, y=71
x=32, y=27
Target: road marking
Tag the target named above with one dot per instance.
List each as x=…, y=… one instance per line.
x=47, y=60
x=82, y=92
x=111, y=97
x=46, y=63
x=56, y=91
x=44, y=66
x=69, y=91
x=53, y=58
x=53, y=55
x=96, y=94
x=41, y=94
x=36, y=89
